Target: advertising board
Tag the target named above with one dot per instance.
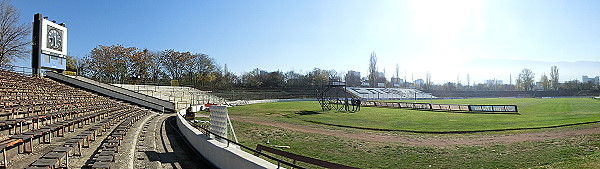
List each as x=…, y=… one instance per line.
x=493, y=108
x=218, y=121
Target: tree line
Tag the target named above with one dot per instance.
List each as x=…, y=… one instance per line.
x=120, y=64
x=526, y=81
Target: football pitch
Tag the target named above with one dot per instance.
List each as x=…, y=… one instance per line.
x=533, y=113
x=291, y=123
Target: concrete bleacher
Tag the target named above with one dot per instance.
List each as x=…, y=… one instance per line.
x=388, y=93
x=111, y=91
x=181, y=96
x=43, y=123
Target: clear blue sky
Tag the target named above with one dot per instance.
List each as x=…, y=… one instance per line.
x=436, y=36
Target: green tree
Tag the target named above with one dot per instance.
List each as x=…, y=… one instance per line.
x=571, y=85
x=448, y=86
x=253, y=78
x=71, y=63
x=318, y=77
x=589, y=85
x=274, y=79
x=297, y=80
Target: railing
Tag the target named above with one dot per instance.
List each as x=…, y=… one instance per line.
x=17, y=69
x=297, y=157
x=279, y=161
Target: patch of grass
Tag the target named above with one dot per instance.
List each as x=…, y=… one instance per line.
x=532, y=113
x=575, y=152
x=578, y=152
x=202, y=118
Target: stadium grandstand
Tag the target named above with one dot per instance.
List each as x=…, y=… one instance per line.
x=179, y=95
x=45, y=122
x=61, y=121
x=48, y=124
x=388, y=93
x=525, y=94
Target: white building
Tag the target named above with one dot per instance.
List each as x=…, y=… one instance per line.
x=595, y=80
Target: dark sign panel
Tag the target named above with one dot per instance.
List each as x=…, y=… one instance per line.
x=493, y=108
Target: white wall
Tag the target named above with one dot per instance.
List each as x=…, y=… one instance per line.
x=219, y=154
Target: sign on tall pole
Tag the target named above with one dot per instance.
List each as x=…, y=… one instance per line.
x=49, y=48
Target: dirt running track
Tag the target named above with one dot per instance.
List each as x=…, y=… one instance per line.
x=429, y=141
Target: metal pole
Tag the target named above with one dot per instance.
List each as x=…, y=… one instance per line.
x=36, y=48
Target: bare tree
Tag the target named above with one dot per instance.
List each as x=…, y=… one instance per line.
x=525, y=80
x=458, y=84
x=13, y=36
x=428, y=82
x=468, y=80
x=372, y=70
x=545, y=82
x=397, y=71
x=554, y=77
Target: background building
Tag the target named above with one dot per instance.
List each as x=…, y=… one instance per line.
x=594, y=80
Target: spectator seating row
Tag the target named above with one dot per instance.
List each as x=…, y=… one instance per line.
x=33, y=110
x=110, y=145
x=387, y=93
x=59, y=156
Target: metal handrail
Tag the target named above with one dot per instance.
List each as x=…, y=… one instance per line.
x=279, y=161
x=13, y=68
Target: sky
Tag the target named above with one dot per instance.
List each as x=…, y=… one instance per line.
x=448, y=39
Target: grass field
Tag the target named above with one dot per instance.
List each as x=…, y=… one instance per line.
x=533, y=113
x=578, y=152
x=570, y=152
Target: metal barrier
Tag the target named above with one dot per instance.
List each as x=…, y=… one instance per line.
x=209, y=133
x=297, y=157
x=17, y=69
